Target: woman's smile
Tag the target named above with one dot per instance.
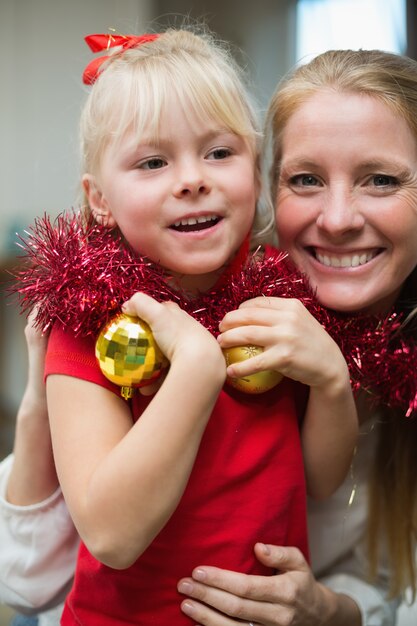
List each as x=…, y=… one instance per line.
x=344, y=259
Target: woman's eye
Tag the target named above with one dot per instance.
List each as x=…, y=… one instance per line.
x=219, y=153
x=304, y=180
x=152, y=164
x=382, y=180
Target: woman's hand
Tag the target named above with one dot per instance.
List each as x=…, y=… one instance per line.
x=293, y=597
x=36, y=345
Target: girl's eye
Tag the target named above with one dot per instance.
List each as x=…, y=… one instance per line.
x=219, y=153
x=382, y=180
x=152, y=164
x=304, y=180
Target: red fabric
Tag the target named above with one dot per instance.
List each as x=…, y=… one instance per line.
x=98, y=43
x=247, y=485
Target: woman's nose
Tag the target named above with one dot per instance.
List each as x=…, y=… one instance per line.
x=340, y=214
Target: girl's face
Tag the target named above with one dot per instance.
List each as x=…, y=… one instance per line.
x=186, y=202
x=346, y=205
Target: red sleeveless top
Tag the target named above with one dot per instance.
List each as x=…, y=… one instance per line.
x=247, y=485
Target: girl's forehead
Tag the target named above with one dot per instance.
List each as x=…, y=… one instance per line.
x=146, y=109
x=159, y=124
x=145, y=96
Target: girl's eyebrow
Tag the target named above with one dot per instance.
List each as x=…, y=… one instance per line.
x=204, y=137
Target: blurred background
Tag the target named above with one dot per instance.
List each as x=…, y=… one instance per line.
x=42, y=56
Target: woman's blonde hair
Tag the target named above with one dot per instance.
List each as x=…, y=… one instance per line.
x=139, y=83
x=391, y=79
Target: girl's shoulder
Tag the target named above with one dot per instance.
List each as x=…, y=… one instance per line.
x=70, y=354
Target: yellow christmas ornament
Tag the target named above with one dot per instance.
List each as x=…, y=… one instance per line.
x=255, y=383
x=128, y=355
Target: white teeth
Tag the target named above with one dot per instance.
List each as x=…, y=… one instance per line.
x=345, y=261
x=190, y=221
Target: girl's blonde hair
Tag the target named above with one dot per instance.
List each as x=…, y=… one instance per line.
x=391, y=79
x=138, y=84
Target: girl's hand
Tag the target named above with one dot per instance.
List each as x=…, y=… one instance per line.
x=296, y=345
x=178, y=335
x=219, y=597
x=294, y=342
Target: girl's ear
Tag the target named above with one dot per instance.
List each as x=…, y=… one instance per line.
x=97, y=202
x=258, y=177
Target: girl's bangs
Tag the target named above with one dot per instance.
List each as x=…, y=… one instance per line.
x=142, y=99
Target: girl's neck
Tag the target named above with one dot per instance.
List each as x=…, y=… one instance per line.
x=192, y=285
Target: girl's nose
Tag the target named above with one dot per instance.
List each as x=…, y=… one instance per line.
x=191, y=182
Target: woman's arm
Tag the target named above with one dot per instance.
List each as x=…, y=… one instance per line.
x=38, y=548
x=296, y=345
x=290, y=597
x=38, y=542
x=122, y=481
x=293, y=596
x=33, y=477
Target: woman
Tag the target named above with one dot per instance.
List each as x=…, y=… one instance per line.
x=305, y=184
x=344, y=179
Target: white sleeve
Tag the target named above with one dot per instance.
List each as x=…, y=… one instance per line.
x=337, y=530
x=375, y=609
x=38, y=548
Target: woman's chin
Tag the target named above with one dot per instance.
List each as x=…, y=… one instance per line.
x=353, y=301
x=342, y=300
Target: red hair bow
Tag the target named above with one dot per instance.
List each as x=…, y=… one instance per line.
x=98, y=43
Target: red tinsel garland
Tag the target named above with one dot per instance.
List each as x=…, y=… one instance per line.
x=79, y=274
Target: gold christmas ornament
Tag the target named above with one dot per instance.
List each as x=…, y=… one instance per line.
x=255, y=383
x=127, y=353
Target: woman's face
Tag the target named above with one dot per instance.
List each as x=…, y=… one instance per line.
x=346, y=204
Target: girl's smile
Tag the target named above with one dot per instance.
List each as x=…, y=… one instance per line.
x=197, y=223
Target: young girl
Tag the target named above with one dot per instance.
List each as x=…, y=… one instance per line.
x=198, y=471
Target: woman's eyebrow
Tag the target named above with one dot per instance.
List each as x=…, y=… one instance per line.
x=299, y=163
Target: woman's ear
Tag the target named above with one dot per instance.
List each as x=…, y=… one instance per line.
x=97, y=202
